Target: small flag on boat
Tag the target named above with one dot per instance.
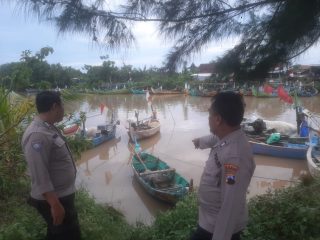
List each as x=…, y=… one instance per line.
x=101, y=107
x=283, y=95
x=267, y=89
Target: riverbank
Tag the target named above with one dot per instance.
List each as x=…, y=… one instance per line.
x=19, y=221
x=291, y=213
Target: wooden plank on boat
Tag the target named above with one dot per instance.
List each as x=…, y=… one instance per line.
x=171, y=188
x=158, y=171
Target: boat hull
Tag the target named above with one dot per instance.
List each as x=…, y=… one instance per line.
x=172, y=193
x=138, y=91
x=165, y=92
x=71, y=129
x=313, y=160
x=101, y=138
x=298, y=152
x=146, y=133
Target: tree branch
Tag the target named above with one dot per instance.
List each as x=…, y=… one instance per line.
x=124, y=16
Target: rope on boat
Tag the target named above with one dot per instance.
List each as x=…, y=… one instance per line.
x=180, y=160
x=255, y=176
x=174, y=123
x=276, y=179
x=315, y=121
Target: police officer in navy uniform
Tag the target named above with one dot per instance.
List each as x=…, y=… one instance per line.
x=222, y=192
x=52, y=169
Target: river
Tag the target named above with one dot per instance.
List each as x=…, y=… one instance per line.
x=106, y=173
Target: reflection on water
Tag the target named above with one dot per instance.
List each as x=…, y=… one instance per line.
x=106, y=171
x=274, y=173
x=102, y=152
x=152, y=205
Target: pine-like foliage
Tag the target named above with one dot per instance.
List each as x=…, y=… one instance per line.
x=271, y=31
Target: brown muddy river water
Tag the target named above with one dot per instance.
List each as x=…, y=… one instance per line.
x=106, y=173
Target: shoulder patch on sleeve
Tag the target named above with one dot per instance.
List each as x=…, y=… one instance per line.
x=230, y=173
x=36, y=145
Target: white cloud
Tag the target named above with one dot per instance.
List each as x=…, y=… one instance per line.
x=18, y=33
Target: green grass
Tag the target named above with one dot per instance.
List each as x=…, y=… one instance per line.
x=292, y=213
x=176, y=224
x=100, y=222
x=19, y=221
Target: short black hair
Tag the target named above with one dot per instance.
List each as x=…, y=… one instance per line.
x=230, y=106
x=46, y=99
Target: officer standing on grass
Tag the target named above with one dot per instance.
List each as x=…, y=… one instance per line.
x=52, y=169
x=222, y=193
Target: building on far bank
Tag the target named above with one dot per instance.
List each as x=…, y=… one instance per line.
x=305, y=71
x=204, y=72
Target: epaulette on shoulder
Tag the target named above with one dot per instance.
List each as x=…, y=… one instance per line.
x=224, y=143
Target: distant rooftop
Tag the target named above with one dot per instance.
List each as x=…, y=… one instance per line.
x=207, y=68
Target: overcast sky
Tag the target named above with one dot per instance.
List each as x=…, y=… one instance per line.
x=19, y=33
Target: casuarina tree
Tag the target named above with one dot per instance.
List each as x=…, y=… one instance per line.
x=269, y=31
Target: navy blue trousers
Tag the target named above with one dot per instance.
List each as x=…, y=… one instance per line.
x=201, y=234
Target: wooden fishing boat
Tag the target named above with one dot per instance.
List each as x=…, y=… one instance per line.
x=70, y=125
x=138, y=91
x=208, y=93
x=118, y=91
x=307, y=91
x=313, y=159
x=285, y=146
x=282, y=149
x=71, y=128
x=104, y=133
x=99, y=134
x=143, y=129
x=153, y=91
x=246, y=92
x=158, y=179
x=202, y=93
x=194, y=92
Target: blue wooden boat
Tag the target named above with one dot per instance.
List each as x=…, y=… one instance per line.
x=138, y=91
x=105, y=133
x=161, y=91
x=302, y=91
x=158, y=179
x=194, y=92
x=101, y=133
x=283, y=149
x=283, y=146
x=307, y=91
x=202, y=93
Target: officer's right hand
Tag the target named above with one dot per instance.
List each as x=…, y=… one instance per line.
x=196, y=142
x=56, y=208
x=57, y=213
